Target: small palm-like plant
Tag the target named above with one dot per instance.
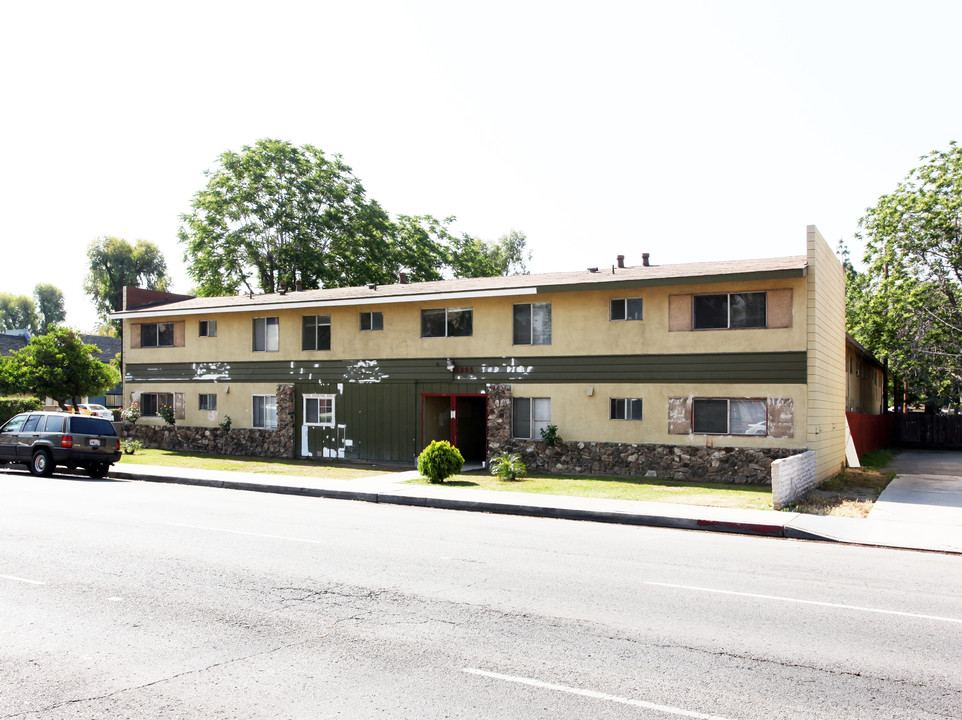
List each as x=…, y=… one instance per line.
x=509, y=466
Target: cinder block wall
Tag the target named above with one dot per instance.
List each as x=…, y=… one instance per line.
x=792, y=478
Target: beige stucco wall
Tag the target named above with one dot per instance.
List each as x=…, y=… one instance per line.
x=583, y=417
x=580, y=326
x=233, y=399
x=826, y=356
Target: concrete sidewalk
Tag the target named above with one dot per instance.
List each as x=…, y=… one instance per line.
x=892, y=533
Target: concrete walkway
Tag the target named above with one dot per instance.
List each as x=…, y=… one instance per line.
x=918, y=532
x=927, y=489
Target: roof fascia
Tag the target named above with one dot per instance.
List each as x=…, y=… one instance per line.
x=679, y=280
x=386, y=300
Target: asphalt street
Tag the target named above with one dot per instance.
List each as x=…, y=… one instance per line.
x=129, y=599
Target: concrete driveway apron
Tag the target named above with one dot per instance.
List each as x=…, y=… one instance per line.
x=927, y=489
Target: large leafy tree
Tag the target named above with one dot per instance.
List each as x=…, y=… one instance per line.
x=275, y=212
x=57, y=365
x=17, y=312
x=907, y=305
x=50, y=306
x=114, y=263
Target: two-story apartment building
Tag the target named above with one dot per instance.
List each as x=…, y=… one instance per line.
x=694, y=360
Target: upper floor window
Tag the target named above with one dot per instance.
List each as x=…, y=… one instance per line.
x=372, y=320
x=532, y=324
x=729, y=416
x=626, y=309
x=316, y=332
x=319, y=410
x=266, y=334
x=729, y=310
x=446, y=322
x=529, y=416
x=157, y=334
x=265, y=411
x=207, y=328
x=625, y=408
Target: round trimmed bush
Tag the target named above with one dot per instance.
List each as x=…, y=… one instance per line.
x=439, y=460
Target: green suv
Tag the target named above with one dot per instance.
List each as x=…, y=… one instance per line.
x=43, y=440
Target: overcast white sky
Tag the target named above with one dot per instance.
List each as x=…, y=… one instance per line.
x=690, y=130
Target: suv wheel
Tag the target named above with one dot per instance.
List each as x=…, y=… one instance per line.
x=97, y=470
x=42, y=464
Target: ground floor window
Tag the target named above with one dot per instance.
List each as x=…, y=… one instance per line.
x=207, y=401
x=529, y=416
x=265, y=411
x=625, y=409
x=729, y=416
x=319, y=410
x=150, y=403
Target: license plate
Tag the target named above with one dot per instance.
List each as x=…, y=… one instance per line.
x=94, y=442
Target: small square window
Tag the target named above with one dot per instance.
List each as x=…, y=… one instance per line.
x=207, y=328
x=373, y=320
x=626, y=309
x=625, y=409
x=319, y=410
x=207, y=401
x=316, y=332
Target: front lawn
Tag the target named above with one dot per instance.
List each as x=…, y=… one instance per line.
x=752, y=497
x=277, y=466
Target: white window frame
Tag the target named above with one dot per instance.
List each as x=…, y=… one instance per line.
x=539, y=416
x=623, y=303
x=728, y=416
x=269, y=410
x=211, y=403
x=269, y=328
x=533, y=339
x=319, y=398
x=622, y=409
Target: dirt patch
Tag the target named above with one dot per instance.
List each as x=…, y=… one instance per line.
x=851, y=493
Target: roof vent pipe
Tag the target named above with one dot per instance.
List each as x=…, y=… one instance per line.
x=404, y=278
x=283, y=287
x=644, y=259
x=621, y=261
x=298, y=286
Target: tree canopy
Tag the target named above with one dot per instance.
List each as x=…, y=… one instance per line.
x=17, y=312
x=114, y=263
x=275, y=212
x=58, y=365
x=50, y=306
x=907, y=305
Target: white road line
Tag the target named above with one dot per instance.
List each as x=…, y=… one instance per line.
x=20, y=579
x=252, y=534
x=809, y=602
x=593, y=694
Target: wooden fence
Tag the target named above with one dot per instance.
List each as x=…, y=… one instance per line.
x=925, y=430
x=870, y=432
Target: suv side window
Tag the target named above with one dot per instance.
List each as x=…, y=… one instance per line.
x=15, y=424
x=54, y=424
x=32, y=422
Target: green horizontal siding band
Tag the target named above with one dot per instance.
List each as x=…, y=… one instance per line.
x=784, y=367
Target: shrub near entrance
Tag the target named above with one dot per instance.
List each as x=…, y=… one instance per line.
x=439, y=460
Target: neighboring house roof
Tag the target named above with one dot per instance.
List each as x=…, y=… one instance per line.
x=637, y=276
x=861, y=349
x=9, y=344
x=109, y=346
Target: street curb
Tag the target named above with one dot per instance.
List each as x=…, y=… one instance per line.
x=438, y=503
